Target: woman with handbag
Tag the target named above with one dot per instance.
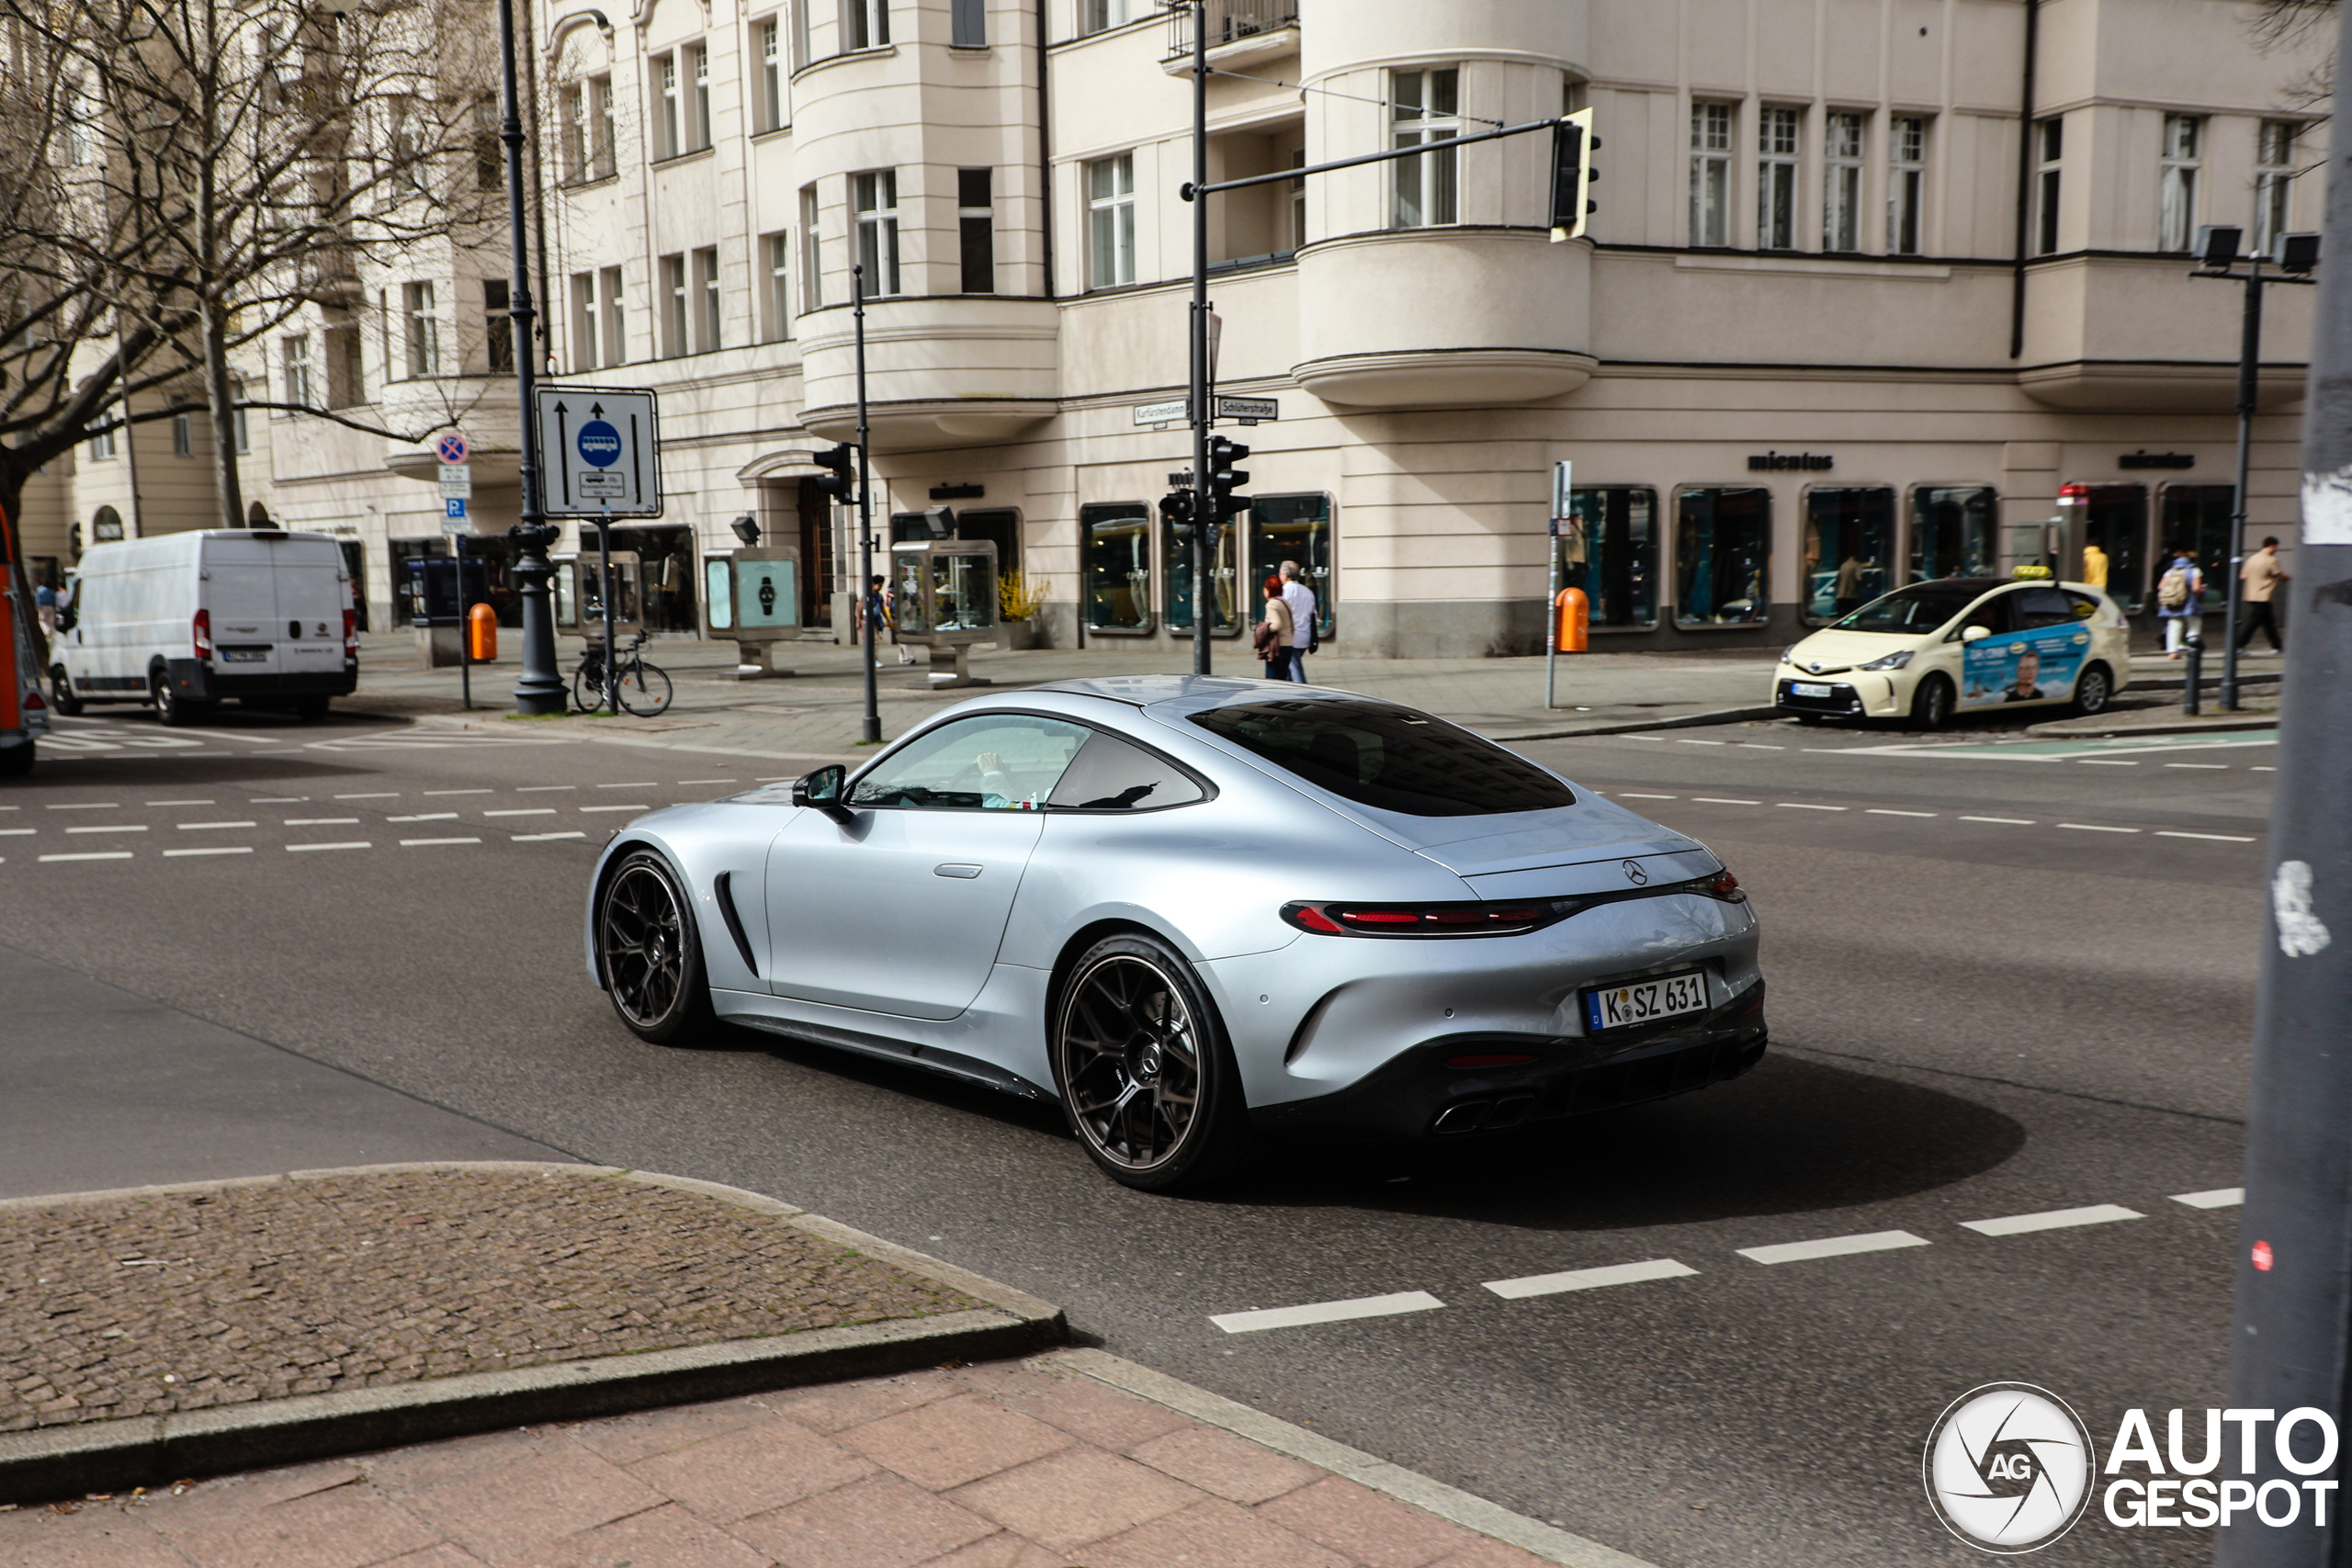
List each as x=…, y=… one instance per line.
x=1271, y=640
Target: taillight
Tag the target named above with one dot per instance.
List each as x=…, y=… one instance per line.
x=204, y=634
x=33, y=700
x=1425, y=920
x=350, y=633
x=1725, y=887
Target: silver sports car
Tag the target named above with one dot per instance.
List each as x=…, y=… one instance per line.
x=1193, y=910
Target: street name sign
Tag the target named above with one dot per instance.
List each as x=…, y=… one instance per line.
x=599, y=452
x=1175, y=412
x=1249, y=410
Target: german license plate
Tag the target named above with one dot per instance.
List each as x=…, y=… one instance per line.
x=243, y=655
x=1807, y=689
x=1644, y=1001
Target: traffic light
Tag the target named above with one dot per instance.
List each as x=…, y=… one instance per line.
x=1573, y=145
x=1176, y=509
x=840, y=479
x=1224, y=478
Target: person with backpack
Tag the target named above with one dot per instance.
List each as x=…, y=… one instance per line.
x=2180, y=601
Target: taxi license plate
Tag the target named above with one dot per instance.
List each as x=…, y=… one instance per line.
x=243, y=655
x=1807, y=689
x=1644, y=1001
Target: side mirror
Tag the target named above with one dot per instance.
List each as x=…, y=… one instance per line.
x=1974, y=634
x=822, y=791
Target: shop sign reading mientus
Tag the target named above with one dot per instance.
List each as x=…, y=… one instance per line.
x=1775, y=461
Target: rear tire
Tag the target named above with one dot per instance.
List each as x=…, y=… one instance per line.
x=650, y=953
x=2094, y=690
x=1143, y=1068
x=170, y=706
x=60, y=691
x=1931, y=704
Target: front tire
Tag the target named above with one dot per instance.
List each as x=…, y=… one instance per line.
x=60, y=691
x=1931, y=704
x=2094, y=691
x=649, y=951
x=1145, y=1075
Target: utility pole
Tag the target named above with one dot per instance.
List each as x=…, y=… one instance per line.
x=1205, y=518
x=2291, y=1340
x=869, y=603
x=541, y=691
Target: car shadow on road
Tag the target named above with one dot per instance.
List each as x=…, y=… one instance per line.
x=1792, y=1136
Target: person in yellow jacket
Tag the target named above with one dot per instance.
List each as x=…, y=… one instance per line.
x=2095, y=567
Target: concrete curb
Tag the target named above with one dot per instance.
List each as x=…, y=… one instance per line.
x=1449, y=1503
x=152, y=1450
x=2059, y=730
x=1684, y=721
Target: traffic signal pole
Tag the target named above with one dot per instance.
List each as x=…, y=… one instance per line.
x=2291, y=1340
x=2249, y=384
x=1205, y=518
x=869, y=601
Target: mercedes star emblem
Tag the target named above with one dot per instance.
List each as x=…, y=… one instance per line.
x=1636, y=875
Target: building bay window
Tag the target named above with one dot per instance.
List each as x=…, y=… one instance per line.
x=1722, y=556
x=424, y=329
x=1422, y=108
x=866, y=23
x=813, y=271
x=873, y=196
x=2177, y=192
x=1111, y=222
x=2049, y=168
x=976, y=229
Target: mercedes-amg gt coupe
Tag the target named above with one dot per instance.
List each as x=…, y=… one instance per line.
x=1196, y=913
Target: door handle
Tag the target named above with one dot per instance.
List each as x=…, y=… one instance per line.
x=964, y=872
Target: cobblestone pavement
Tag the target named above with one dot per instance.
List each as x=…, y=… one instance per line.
x=147, y=1303
x=1009, y=1465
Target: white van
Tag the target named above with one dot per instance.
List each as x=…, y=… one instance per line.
x=185, y=620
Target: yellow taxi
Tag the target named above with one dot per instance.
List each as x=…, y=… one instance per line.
x=1958, y=645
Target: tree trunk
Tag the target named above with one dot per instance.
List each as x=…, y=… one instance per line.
x=222, y=404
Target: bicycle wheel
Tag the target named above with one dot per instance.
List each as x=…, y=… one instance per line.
x=645, y=688
x=588, y=687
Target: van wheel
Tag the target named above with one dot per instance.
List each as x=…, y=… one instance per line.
x=1931, y=704
x=60, y=691
x=170, y=706
x=310, y=710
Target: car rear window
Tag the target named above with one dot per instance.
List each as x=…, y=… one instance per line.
x=1387, y=757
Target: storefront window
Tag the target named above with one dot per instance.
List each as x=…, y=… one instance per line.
x=1722, y=556
x=1116, y=541
x=1952, y=530
x=1176, y=564
x=1610, y=551
x=1848, y=549
x=1294, y=528
x=2195, y=518
x=2113, y=519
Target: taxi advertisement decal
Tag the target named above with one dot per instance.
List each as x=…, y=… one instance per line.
x=2039, y=665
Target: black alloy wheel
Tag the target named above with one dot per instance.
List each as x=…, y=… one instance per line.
x=649, y=951
x=1931, y=704
x=1145, y=1077
x=60, y=691
x=2093, y=691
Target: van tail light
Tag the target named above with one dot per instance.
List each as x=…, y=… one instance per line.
x=34, y=702
x=1425, y=920
x=350, y=633
x=204, y=634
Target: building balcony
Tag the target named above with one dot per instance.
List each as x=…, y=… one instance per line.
x=1237, y=30
x=958, y=370
x=2132, y=333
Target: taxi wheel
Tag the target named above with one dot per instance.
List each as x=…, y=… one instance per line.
x=1931, y=704
x=2092, y=692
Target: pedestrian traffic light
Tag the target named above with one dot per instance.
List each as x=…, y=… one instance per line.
x=1573, y=145
x=840, y=479
x=1223, y=479
x=1176, y=509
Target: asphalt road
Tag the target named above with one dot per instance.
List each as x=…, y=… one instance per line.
x=2004, y=981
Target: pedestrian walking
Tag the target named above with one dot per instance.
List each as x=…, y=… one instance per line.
x=1271, y=637
x=2180, y=600
x=45, y=606
x=2259, y=580
x=1848, y=593
x=1300, y=599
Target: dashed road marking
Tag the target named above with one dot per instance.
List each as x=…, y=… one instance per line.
x=1803, y=806
x=2216, y=1198
x=1832, y=1246
x=2004, y=821
x=373, y=794
x=541, y=789
x=2210, y=767
x=194, y=827
x=17, y=833
x=2107, y=762
x=2092, y=827
x=2214, y=838
x=1719, y=800
x=218, y=850
x=279, y=799
x=110, y=854
x=705, y=781
x=180, y=803
x=523, y=811
x=112, y=827
x=426, y=816
x=1890, y=811
x=648, y=783
x=634, y=807
x=542, y=838
x=350, y=844
x=1629, y=794
x=412, y=843
x=2053, y=1220
x=1326, y=1312
x=89, y=806
x=1589, y=1278
x=312, y=822
x=461, y=792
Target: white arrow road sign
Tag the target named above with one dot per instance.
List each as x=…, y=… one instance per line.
x=599, y=452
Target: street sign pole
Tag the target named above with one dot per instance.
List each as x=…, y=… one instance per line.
x=2249, y=374
x=869, y=601
x=1200, y=411
x=2291, y=1339
x=1560, y=472
x=604, y=572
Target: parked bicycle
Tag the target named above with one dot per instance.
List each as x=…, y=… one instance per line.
x=644, y=689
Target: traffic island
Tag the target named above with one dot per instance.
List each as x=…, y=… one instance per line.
x=164, y=1332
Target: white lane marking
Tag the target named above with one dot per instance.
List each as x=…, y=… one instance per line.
x=1760, y=746
x=426, y=816
x=349, y=844
x=2107, y=762
x=1832, y=1246
x=1588, y=1278
x=540, y=789
x=112, y=827
x=649, y=784
x=319, y=822
x=179, y=803
x=2263, y=770
x=523, y=811
x=373, y=794
x=2215, y=838
x=2052, y=1220
x=542, y=838
x=1890, y=811
x=279, y=799
x=222, y=850
x=1326, y=1312
x=17, y=833
x=786, y=778
x=190, y=826
x=461, y=792
x=1719, y=800
x=90, y=805
x=411, y=843
x=1689, y=742
x=115, y=854
x=705, y=781
x=2093, y=828
x=2004, y=821
x=640, y=808
x=2215, y=767
x=1629, y=794
x=1800, y=806
x=2215, y=1198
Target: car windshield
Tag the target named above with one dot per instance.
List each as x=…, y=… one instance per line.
x=1391, y=758
x=1916, y=609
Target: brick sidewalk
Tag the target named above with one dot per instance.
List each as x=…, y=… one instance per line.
x=1028, y=1464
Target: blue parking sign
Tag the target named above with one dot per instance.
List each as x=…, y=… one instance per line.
x=457, y=506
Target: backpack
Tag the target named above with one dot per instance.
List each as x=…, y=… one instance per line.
x=2171, y=589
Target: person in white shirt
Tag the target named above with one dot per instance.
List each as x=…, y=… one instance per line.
x=1301, y=600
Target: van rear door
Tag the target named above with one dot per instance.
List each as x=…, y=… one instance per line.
x=311, y=599
x=239, y=593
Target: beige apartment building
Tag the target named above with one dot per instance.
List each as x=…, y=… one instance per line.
x=1869, y=281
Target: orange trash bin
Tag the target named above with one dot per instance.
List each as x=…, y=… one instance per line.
x=482, y=634
x=1575, y=620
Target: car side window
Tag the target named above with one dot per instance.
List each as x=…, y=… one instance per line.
x=1003, y=762
x=2038, y=607
x=1110, y=775
x=1994, y=614
x=2082, y=606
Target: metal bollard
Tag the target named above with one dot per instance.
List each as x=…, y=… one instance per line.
x=2192, y=669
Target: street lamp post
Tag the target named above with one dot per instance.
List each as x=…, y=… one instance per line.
x=869, y=601
x=1204, y=519
x=541, y=691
